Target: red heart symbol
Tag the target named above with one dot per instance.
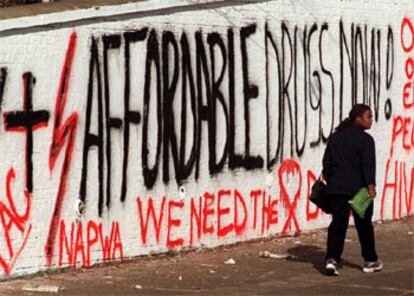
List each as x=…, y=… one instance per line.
x=13, y=222
x=290, y=169
x=8, y=265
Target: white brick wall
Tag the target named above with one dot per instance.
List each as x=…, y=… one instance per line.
x=262, y=61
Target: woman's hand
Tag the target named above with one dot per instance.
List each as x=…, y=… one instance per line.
x=371, y=190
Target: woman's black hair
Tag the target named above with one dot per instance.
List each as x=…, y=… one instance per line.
x=355, y=112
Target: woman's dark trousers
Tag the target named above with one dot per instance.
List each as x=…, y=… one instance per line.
x=337, y=229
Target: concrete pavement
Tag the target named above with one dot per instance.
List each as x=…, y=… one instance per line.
x=58, y=6
x=204, y=272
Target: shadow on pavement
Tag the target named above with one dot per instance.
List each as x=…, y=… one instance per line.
x=316, y=256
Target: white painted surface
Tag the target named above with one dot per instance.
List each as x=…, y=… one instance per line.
x=30, y=45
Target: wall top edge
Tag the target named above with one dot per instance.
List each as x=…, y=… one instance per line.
x=104, y=13
x=87, y=16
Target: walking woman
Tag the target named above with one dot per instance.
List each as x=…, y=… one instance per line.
x=349, y=165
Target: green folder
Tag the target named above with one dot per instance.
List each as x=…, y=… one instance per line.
x=361, y=201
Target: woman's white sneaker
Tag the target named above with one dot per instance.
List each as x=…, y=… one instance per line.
x=373, y=266
x=331, y=267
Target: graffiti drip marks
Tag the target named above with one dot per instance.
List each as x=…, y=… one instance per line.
x=195, y=135
x=190, y=91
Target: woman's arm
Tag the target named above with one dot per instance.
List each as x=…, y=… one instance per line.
x=327, y=163
x=369, y=165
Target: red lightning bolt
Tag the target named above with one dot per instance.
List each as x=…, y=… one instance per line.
x=63, y=133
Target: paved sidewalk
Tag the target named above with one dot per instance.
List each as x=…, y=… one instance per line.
x=58, y=6
x=204, y=273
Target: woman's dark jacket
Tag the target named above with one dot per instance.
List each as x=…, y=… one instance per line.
x=349, y=161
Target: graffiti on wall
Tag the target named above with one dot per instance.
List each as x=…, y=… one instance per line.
x=204, y=110
x=399, y=173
